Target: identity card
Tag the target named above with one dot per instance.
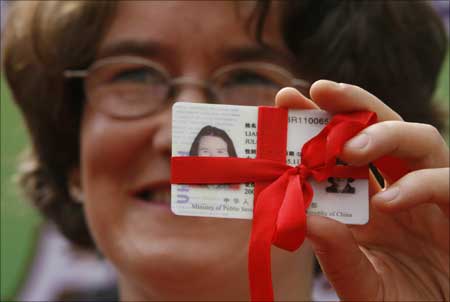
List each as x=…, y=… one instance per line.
x=228, y=130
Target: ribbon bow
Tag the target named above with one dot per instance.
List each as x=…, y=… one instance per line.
x=282, y=192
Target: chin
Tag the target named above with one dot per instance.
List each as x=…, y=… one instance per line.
x=166, y=268
x=160, y=252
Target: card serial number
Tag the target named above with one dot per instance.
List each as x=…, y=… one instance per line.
x=308, y=120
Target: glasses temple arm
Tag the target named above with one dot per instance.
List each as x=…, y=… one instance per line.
x=301, y=83
x=75, y=73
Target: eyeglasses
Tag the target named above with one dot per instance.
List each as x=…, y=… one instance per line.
x=130, y=87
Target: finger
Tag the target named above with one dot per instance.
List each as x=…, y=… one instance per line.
x=415, y=188
x=420, y=145
x=336, y=98
x=291, y=98
x=345, y=265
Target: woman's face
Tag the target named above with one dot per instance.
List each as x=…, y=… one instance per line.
x=213, y=146
x=125, y=164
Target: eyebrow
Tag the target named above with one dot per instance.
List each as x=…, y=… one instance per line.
x=131, y=47
x=260, y=53
x=237, y=53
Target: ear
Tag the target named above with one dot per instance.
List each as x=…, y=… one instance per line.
x=74, y=185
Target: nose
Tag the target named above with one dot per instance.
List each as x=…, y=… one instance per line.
x=191, y=90
x=162, y=137
x=188, y=92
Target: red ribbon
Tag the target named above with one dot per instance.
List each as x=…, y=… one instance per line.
x=282, y=193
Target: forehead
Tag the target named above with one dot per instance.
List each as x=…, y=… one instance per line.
x=211, y=29
x=212, y=140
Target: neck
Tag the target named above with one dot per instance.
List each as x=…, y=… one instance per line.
x=293, y=274
x=292, y=281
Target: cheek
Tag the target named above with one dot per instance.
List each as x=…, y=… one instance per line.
x=142, y=240
x=112, y=156
x=108, y=153
x=110, y=144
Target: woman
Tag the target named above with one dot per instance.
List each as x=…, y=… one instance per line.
x=212, y=141
x=111, y=140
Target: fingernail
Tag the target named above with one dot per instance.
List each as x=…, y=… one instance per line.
x=388, y=195
x=358, y=142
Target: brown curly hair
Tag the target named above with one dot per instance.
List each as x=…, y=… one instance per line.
x=41, y=40
x=380, y=46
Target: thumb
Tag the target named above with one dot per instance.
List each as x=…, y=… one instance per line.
x=344, y=263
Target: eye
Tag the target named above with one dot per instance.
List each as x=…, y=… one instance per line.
x=143, y=75
x=247, y=77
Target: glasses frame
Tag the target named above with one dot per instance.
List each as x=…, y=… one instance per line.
x=173, y=82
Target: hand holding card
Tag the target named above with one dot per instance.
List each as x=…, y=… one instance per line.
x=406, y=239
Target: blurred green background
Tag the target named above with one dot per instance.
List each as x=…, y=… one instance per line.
x=19, y=222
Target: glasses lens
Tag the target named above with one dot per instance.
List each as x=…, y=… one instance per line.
x=249, y=85
x=127, y=90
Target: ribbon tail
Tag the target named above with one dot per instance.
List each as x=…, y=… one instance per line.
x=265, y=210
x=291, y=221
